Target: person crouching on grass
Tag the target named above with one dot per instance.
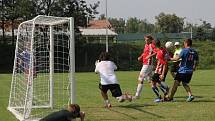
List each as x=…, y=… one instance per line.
x=106, y=68
x=72, y=112
x=160, y=73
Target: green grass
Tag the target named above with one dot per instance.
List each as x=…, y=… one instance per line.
x=89, y=98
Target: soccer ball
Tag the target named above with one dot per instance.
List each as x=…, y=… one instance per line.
x=169, y=45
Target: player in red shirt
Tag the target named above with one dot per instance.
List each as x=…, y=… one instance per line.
x=147, y=60
x=160, y=72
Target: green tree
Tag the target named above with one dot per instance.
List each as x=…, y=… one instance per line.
x=206, y=26
x=200, y=34
x=12, y=10
x=132, y=25
x=169, y=23
x=213, y=34
x=145, y=26
x=2, y=17
x=67, y=8
x=11, y=13
x=118, y=24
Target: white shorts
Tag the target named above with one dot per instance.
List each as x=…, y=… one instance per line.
x=146, y=73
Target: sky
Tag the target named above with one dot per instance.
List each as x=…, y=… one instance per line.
x=193, y=10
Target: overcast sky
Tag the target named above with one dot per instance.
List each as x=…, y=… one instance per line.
x=193, y=10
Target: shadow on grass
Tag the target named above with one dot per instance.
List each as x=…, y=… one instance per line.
x=185, y=97
x=138, y=108
x=132, y=117
x=203, y=85
x=198, y=99
x=204, y=101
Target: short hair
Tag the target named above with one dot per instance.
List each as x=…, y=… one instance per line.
x=104, y=56
x=188, y=41
x=76, y=109
x=149, y=37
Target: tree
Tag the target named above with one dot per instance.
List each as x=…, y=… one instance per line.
x=2, y=9
x=12, y=10
x=200, y=34
x=67, y=8
x=206, y=25
x=11, y=13
x=118, y=24
x=132, y=25
x=145, y=26
x=213, y=34
x=169, y=23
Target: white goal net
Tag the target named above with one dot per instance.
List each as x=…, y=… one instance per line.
x=44, y=65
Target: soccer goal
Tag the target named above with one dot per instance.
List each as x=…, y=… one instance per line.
x=44, y=65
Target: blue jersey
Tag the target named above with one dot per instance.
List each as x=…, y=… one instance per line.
x=188, y=56
x=25, y=57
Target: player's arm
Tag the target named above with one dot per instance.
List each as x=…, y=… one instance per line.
x=153, y=54
x=175, y=58
x=164, y=70
x=114, y=66
x=96, y=69
x=19, y=58
x=149, y=56
x=196, y=62
x=140, y=57
x=81, y=115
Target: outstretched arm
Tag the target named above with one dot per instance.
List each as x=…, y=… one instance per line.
x=175, y=59
x=149, y=56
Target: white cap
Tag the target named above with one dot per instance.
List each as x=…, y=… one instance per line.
x=177, y=43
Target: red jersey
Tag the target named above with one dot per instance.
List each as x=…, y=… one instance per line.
x=148, y=50
x=161, y=60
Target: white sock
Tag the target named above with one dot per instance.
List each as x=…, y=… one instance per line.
x=139, y=90
x=106, y=102
x=121, y=98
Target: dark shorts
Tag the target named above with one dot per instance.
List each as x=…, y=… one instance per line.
x=114, y=88
x=156, y=77
x=183, y=77
x=175, y=66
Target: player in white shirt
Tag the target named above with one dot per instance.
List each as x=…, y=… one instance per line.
x=106, y=68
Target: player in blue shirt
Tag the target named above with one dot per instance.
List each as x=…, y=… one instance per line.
x=189, y=60
x=24, y=62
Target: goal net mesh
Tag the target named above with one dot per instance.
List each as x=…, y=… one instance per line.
x=42, y=72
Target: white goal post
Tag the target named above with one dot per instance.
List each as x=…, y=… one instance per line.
x=44, y=65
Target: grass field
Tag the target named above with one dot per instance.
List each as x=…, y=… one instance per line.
x=144, y=109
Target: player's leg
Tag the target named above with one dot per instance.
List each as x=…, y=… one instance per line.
x=104, y=89
x=144, y=73
x=26, y=74
x=163, y=86
x=117, y=93
x=155, y=80
x=140, y=82
x=186, y=86
x=173, y=70
x=178, y=78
